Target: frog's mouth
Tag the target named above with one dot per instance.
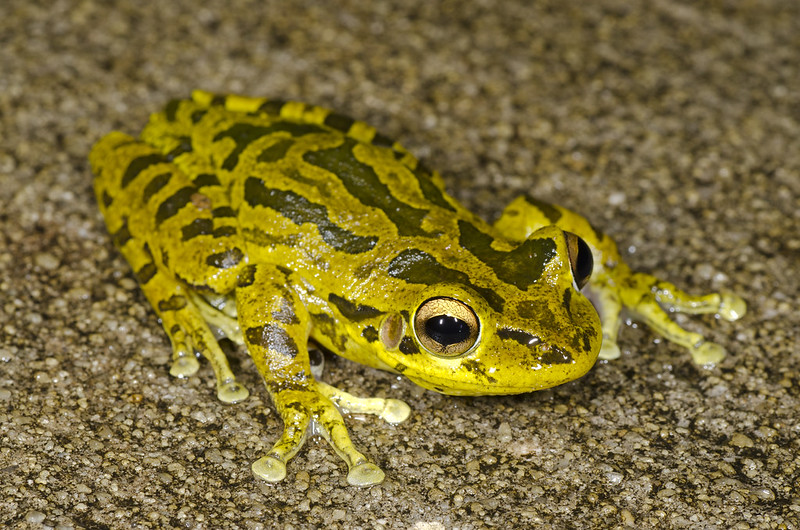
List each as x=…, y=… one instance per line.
x=470, y=388
x=508, y=369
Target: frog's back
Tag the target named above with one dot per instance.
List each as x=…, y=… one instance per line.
x=297, y=175
x=303, y=146
x=283, y=183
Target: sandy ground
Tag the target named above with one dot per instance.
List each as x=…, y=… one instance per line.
x=673, y=125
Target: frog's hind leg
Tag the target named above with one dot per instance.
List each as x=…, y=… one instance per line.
x=185, y=324
x=142, y=195
x=188, y=331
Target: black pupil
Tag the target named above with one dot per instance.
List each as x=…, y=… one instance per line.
x=583, y=269
x=447, y=330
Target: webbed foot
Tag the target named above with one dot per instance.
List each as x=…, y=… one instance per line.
x=188, y=334
x=318, y=410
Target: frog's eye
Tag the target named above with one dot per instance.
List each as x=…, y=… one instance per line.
x=446, y=326
x=580, y=259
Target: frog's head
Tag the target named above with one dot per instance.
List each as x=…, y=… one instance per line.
x=526, y=328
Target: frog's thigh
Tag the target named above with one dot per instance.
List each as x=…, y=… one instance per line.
x=275, y=326
x=200, y=247
x=196, y=233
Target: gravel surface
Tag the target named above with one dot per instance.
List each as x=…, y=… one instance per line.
x=673, y=125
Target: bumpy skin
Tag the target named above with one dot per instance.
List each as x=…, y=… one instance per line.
x=279, y=222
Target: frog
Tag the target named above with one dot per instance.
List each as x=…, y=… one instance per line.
x=284, y=226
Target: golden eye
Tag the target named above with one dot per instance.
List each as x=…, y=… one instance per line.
x=580, y=259
x=446, y=326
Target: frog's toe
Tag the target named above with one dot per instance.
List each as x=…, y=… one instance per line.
x=365, y=474
x=390, y=410
x=184, y=366
x=395, y=411
x=731, y=307
x=707, y=353
x=269, y=468
x=609, y=350
x=232, y=392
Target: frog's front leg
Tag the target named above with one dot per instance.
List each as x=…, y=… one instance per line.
x=643, y=295
x=613, y=286
x=276, y=326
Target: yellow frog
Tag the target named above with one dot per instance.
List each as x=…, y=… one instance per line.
x=278, y=222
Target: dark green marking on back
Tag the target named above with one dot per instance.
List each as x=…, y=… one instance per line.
x=198, y=115
x=272, y=337
x=184, y=146
x=265, y=239
x=272, y=107
x=247, y=276
x=206, y=179
x=171, y=110
x=223, y=211
x=106, y=199
x=138, y=165
x=382, y=141
x=276, y=151
x=155, y=185
x=520, y=267
x=224, y=231
x=363, y=183
x=416, y=266
x=340, y=122
x=244, y=134
x=300, y=210
x=198, y=227
x=351, y=311
x=173, y=204
x=431, y=191
x=549, y=211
